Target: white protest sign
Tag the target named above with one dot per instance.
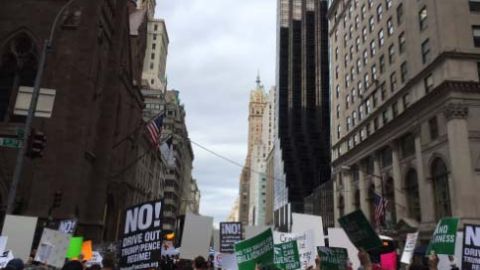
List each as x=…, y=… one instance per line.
x=229, y=262
x=410, y=244
x=306, y=247
x=338, y=238
x=302, y=223
x=52, y=248
x=20, y=231
x=217, y=260
x=96, y=259
x=5, y=257
x=196, y=237
x=3, y=243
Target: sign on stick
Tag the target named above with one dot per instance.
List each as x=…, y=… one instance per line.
x=142, y=236
x=230, y=233
x=255, y=252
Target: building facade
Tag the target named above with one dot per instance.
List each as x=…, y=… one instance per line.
x=154, y=65
x=405, y=104
x=303, y=104
x=93, y=65
x=251, y=171
x=178, y=184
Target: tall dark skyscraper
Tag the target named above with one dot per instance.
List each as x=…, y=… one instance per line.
x=303, y=101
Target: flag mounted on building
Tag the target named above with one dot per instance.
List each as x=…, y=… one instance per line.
x=380, y=208
x=154, y=129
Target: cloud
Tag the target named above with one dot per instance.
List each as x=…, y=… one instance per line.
x=216, y=47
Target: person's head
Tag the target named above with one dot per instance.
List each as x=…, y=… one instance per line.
x=95, y=267
x=199, y=263
x=73, y=265
x=16, y=263
x=108, y=263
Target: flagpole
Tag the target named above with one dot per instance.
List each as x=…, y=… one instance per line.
x=138, y=159
x=136, y=129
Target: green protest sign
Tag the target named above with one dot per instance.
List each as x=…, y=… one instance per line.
x=444, y=237
x=332, y=258
x=75, y=247
x=359, y=231
x=286, y=256
x=256, y=252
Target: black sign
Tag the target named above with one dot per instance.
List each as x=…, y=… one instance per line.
x=471, y=247
x=230, y=233
x=359, y=231
x=142, y=237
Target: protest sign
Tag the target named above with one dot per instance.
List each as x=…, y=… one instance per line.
x=197, y=235
x=230, y=233
x=338, y=238
x=306, y=247
x=388, y=261
x=67, y=226
x=256, y=251
x=96, y=259
x=75, y=248
x=87, y=251
x=52, y=248
x=332, y=258
x=229, y=262
x=5, y=257
x=20, y=231
x=142, y=236
x=3, y=243
x=303, y=223
x=444, y=237
x=360, y=231
x=410, y=245
x=217, y=260
x=471, y=247
x=286, y=256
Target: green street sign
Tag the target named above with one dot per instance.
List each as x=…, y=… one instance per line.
x=11, y=143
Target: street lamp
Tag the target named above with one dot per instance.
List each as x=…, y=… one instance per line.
x=31, y=111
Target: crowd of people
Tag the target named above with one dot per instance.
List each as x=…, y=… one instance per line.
x=419, y=262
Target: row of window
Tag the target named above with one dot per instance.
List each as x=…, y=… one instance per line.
x=368, y=106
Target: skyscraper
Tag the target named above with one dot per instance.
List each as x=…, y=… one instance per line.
x=405, y=109
x=303, y=103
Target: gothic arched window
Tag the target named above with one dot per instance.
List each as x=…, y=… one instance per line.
x=18, y=67
x=441, y=189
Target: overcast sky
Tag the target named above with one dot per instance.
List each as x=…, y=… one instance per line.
x=216, y=48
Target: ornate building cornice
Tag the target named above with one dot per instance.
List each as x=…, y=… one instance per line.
x=455, y=111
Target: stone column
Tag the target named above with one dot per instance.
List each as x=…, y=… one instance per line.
x=425, y=190
x=336, y=193
x=400, y=198
x=348, y=191
x=463, y=189
x=363, y=191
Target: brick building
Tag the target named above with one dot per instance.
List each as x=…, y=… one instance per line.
x=95, y=66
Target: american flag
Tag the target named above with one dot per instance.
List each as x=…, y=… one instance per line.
x=154, y=129
x=380, y=207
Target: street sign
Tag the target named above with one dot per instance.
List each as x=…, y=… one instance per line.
x=11, y=143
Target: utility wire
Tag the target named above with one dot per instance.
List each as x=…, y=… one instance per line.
x=261, y=173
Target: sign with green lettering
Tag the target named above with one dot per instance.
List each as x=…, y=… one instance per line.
x=10, y=142
x=359, y=231
x=256, y=252
x=332, y=258
x=286, y=256
x=444, y=237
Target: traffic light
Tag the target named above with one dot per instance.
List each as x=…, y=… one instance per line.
x=36, y=144
x=57, y=199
